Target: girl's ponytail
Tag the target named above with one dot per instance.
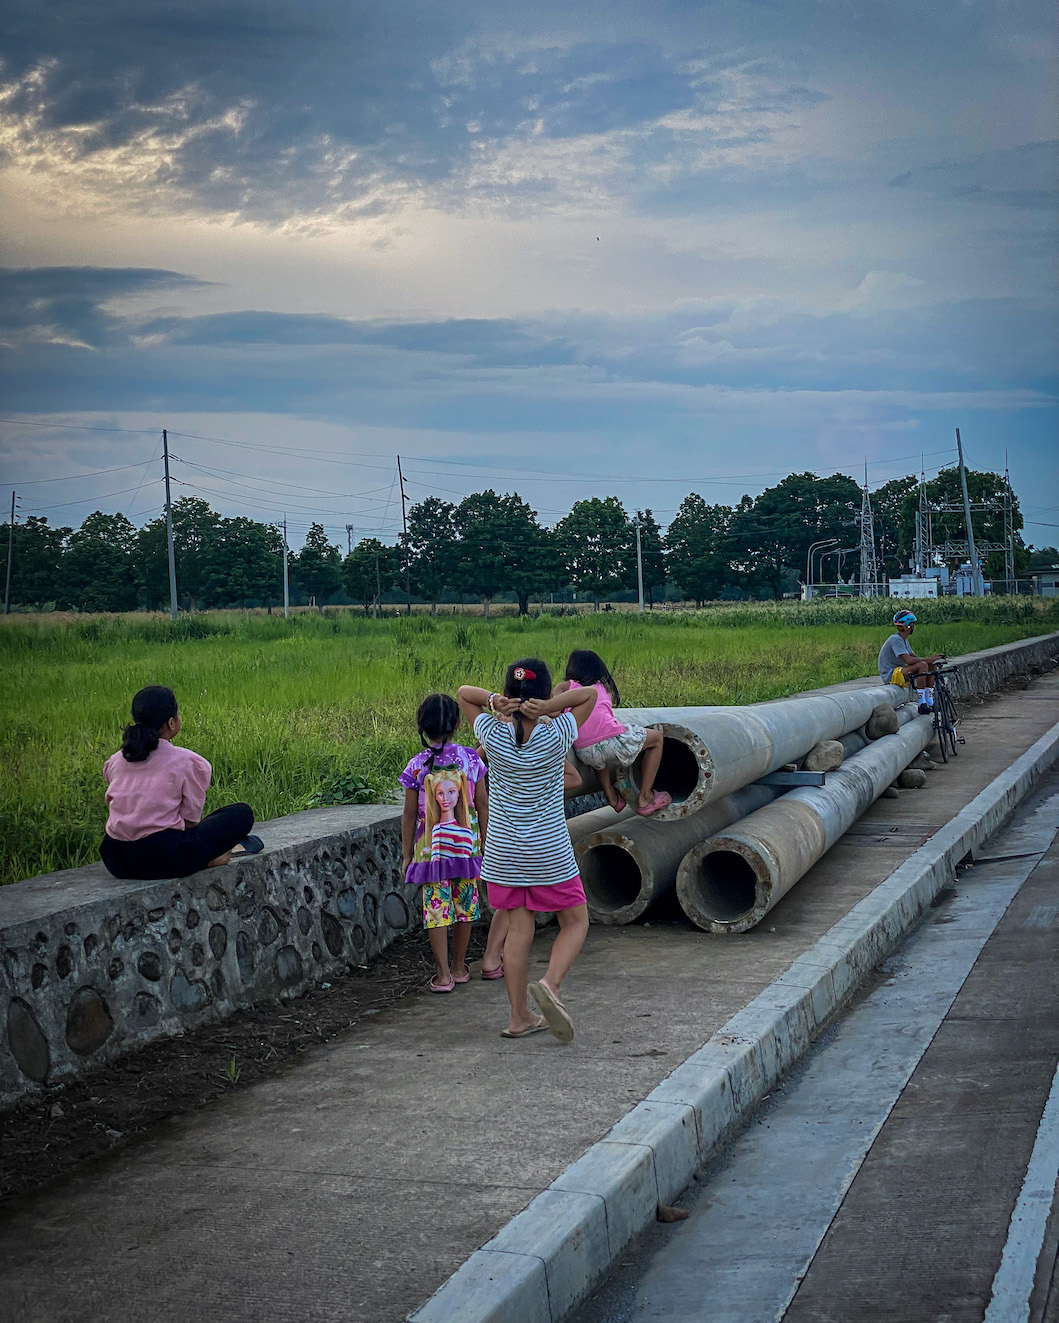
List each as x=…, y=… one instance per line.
x=151, y=709
x=439, y=719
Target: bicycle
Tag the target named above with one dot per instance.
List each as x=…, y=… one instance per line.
x=946, y=717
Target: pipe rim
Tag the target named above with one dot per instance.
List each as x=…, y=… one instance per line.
x=726, y=883
x=615, y=878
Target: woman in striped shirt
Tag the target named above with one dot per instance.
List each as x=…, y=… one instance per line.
x=529, y=864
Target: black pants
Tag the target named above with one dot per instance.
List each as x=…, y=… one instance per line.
x=174, y=853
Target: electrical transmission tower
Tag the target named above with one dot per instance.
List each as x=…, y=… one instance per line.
x=1010, y=583
x=924, y=531
x=869, y=565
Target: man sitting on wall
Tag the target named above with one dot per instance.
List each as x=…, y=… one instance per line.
x=898, y=664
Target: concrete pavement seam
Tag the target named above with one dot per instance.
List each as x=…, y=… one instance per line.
x=683, y=1119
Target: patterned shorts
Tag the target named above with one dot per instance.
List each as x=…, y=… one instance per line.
x=619, y=751
x=446, y=903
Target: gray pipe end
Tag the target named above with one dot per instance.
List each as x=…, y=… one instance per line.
x=613, y=879
x=724, y=885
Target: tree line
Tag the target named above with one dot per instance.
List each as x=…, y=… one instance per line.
x=487, y=545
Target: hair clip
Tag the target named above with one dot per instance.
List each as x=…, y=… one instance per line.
x=523, y=673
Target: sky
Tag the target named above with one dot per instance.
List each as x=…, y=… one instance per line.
x=568, y=250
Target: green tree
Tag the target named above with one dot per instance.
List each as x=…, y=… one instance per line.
x=652, y=554
x=893, y=514
x=368, y=571
x=97, y=569
x=431, y=549
x=501, y=547
x=697, y=544
x=196, y=529
x=771, y=535
x=36, y=562
x=1042, y=558
x=318, y=566
x=244, y=565
x=599, y=546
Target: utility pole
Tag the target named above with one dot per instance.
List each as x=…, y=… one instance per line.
x=639, y=563
x=404, y=522
x=286, y=585
x=169, y=528
x=1010, y=582
x=10, y=555
x=378, y=587
x=972, y=555
x=869, y=568
x=349, y=539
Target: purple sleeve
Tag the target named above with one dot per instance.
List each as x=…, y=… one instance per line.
x=409, y=778
x=473, y=766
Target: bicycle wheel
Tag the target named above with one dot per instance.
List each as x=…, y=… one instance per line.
x=939, y=730
x=947, y=719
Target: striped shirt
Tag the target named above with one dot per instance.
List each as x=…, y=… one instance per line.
x=449, y=840
x=528, y=844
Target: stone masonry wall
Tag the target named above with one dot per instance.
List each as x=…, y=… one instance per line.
x=93, y=966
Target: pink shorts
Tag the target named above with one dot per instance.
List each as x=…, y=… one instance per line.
x=543, y=900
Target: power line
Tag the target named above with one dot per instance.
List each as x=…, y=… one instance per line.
x=276, y=482
x=88, y=500
x=72, y=477
x=79, y=427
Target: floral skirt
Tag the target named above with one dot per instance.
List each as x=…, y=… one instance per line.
x=446, y=903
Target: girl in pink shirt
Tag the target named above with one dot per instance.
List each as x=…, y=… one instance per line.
x=155, y=796
x=604, y=742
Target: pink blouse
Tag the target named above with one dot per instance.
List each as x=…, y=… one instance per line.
x=168, y=791
x=601, y=723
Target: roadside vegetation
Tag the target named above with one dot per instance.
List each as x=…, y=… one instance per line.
x=320, y=708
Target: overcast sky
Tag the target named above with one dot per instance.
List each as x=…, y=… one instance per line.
x=566, y=249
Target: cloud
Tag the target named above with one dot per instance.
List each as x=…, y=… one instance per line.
x=72, y=349
x=70, y=305
x=349, y=108
x=1023, y=176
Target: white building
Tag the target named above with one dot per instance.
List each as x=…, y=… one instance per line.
x=908, y=585
x=1046, y=582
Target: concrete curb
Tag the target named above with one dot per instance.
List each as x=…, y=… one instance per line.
x=548, y=1259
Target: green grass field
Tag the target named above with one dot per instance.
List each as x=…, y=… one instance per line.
x=289, y=710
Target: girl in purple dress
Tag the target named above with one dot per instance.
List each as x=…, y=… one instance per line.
x=443, y=826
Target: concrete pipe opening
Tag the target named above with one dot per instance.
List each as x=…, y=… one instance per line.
x=611, y=878
x=678, y=772
x=727, y=886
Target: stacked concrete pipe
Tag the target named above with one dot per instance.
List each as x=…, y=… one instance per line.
x=709, y=752
x=627, y=863
x=729, y=882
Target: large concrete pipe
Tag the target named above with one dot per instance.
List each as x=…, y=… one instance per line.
x=710, y=751
x=729, y=882
x=629, y=862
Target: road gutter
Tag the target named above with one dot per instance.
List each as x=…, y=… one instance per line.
x=549, y=1258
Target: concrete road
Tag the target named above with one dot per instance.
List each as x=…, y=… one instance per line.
x=350, y=1185
x=906, y=1171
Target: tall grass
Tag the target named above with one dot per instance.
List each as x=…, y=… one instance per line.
x=282, y=707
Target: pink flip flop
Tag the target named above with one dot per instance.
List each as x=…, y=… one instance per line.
x=498, y=972
x=442, y=987
x=465, y=977
x=620, y=805
x=661, y=800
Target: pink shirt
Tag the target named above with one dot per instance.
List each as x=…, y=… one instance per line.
x=166, y=791
x=602, y=724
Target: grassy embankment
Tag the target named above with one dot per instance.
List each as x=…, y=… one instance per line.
x=285, y=709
